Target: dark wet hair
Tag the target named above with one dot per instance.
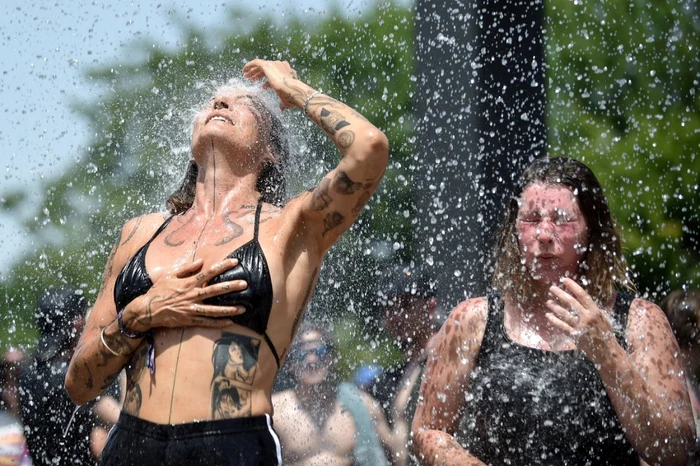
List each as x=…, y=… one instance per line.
x=323, y=330
x=602, y=267
x=682, y=308
x=271, y=182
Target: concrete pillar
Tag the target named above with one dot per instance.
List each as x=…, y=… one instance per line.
x=480, y=104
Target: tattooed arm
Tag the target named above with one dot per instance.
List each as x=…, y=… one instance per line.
x=335, y=203
x=174, y=300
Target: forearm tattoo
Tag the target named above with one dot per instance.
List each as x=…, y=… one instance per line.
x=294, y=92
x=147, y=318
x=117, y=343
x=235, y=361
x=89, y=382
x=332, y=121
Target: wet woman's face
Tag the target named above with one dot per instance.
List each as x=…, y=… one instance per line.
x=552, y=232
x=231, y=121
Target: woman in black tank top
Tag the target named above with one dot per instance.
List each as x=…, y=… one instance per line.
x=556, y=367
x=200, y=306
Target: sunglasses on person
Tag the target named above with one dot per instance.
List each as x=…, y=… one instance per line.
x=299, y=354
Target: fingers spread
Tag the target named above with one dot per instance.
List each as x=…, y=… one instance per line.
x=210, y=322
x=215, y=270
x=188, y=269
x=562, y=296
x=210, y=310
x=222, y=288
x=559, y=323
x=577, y=291
x=571, y=317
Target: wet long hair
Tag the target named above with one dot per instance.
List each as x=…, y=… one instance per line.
x=602, y=269
x=271, y=181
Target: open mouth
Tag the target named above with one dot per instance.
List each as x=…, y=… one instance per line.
x=220, y=118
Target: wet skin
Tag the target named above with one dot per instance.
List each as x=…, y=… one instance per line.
x=230, y=146
x=643, y=383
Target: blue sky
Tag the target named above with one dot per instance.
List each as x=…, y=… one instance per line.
x=45, y=48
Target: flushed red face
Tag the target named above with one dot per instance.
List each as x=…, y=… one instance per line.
x=552, y=232
x=230, y=121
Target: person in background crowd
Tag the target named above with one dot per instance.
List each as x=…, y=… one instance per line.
x=561, y=365
x=11, y=364
x=324, y=422
x=13, y=445
x=57, y=432
x=682, y=308
x=411, y=318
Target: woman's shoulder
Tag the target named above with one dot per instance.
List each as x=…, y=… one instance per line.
x=467, y=320
x=143, y=223
x=643, y=309
x=136, y=231
x=473, y=309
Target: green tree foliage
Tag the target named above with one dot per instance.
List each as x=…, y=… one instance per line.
x=623, y=82
x=141, y=131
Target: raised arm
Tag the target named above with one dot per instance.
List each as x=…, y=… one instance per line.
x=173, y=301
x=393, y=440
x=645, y=384
x=445, y=381
x=331, y=207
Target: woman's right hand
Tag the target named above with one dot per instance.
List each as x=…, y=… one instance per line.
x=175, y=300
x=281, y=78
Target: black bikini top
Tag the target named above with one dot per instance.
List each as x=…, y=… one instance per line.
x=134, y=281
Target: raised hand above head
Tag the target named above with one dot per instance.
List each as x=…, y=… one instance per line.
x=279, y=75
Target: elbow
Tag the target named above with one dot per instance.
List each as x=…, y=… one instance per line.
x=75, y=390
x=379, y=145
x=374, y=151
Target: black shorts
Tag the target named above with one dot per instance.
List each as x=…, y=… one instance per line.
x=241, y=441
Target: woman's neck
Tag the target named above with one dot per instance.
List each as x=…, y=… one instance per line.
x=526, y=323
x=223, y=192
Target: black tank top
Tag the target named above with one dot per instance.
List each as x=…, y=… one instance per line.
x=528, y=406
x=134, y=281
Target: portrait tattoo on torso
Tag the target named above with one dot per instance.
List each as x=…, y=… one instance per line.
x=235, y=361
